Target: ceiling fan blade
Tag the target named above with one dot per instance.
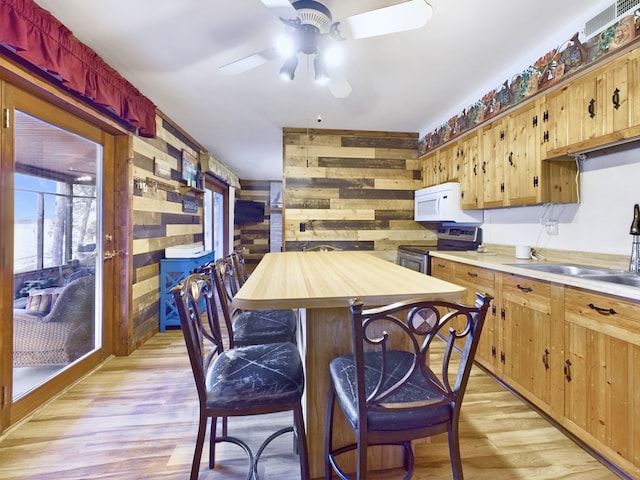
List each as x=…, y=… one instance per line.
x=281, y=8
x=247, y=63
x=338, y=85
x=401, y=17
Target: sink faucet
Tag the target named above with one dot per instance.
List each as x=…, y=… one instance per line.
x=634, y=262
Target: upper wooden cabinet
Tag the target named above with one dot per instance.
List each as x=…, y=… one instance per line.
x=471, y=178
x=522, y=158
x=441, y=166
x=597, y=109
x=526, y=156
x=493, y=138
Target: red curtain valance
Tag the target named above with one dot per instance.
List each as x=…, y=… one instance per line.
x=39, y=38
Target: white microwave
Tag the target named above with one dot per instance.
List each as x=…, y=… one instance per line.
x=441, y=203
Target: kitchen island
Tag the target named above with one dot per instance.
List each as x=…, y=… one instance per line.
x=321, y=285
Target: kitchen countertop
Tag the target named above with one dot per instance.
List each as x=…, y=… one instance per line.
x=503, y=262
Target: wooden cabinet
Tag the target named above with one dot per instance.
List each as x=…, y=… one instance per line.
x=602, y=374
x=522, y=161
x=441, y=166
x=443, y=269
x=573, y=353
x=477, y=279
x=613, y=81
x=430, y=169
x=532, y=322
x=526, y=156
x=470, y=173
x=172, y=272
x=491, y=163
x=594, y=110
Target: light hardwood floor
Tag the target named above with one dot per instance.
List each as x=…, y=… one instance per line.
x=135, y=418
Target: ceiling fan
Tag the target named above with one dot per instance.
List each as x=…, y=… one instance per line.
x=312, y=31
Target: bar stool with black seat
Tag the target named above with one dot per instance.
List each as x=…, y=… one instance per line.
x=391, y=389
x=239, y=267
x=243, y=381
x=250, y=327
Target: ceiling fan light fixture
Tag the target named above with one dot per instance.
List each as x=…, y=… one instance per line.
x=286, y=46
x=333, y=55
x=288, y=70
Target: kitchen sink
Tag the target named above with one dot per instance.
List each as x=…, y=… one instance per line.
x=564, y=269
x=620, y=277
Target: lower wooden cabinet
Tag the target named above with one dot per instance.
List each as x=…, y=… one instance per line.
x=573, y=353
x=477, y=279
x=602, y=374
x=532, y=323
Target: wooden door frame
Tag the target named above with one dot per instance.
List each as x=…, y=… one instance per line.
x=219, y=186
x=118, y=272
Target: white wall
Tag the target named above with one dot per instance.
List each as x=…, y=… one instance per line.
x=609, y=188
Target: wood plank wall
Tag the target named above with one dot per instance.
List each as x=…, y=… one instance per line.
x=158, y=221
x=352, y=189
x=253, y=239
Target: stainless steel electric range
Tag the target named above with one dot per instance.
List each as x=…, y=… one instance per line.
x=416, y=256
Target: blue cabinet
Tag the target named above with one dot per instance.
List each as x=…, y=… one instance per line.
x=172, y=272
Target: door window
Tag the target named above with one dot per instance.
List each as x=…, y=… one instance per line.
x=56, y=240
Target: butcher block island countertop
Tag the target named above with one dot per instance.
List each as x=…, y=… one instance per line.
x=332, y=279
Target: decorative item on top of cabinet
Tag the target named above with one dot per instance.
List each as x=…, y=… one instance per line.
x=602, y=378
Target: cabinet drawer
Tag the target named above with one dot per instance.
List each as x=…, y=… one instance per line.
x=603, y=313
x=527, y=292
x=443, y=269
x=478, y=276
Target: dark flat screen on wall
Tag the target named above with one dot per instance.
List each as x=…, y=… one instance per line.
x=248, y=211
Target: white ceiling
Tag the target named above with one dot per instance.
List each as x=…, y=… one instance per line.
x=412, y=82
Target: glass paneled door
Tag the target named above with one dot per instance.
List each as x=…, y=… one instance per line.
x=56, y=236
x=53, y=225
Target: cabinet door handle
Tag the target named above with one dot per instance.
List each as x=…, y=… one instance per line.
x=604, y=311
x=511, y=159
x=502, y=358
x=592, y=108
x=524, y=289
x=615, y=99
x=545, y=358
x=567, y=370
x=472, y=275
x=493, y=351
